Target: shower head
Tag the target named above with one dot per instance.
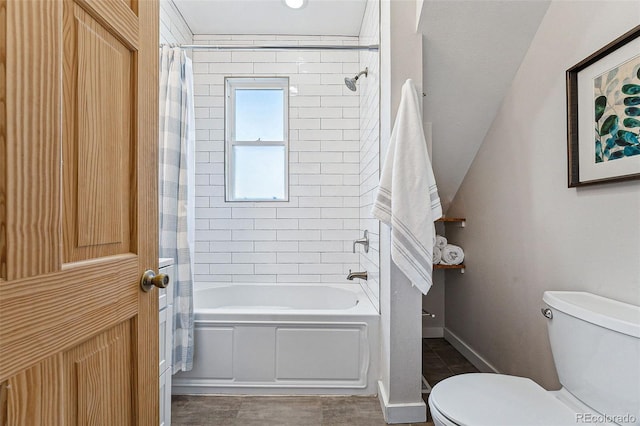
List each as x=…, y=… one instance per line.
x=351, y=82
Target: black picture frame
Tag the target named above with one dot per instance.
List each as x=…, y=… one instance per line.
x=574, y=139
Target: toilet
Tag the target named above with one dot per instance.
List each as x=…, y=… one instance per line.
x=595, y=343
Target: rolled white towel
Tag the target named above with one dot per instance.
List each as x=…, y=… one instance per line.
x=452, y=255
x=437, y=255
x=441, y=241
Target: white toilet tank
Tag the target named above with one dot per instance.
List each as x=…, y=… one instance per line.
x=596, y=348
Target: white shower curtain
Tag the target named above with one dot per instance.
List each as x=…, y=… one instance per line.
x=177, y=138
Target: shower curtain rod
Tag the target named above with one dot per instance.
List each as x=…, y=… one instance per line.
x=372, y=47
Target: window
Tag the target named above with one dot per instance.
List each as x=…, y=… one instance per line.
x=256, y=139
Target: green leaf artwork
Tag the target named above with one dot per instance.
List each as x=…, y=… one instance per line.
x=616, y=108
x=630, y=101
x=610, y=124
x=631, y=122
x=601, y=104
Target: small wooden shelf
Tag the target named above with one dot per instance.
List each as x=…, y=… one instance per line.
x=441, y=266
x=451, y=219
x=460, y=220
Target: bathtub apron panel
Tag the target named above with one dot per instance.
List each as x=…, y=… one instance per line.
x=283, y=350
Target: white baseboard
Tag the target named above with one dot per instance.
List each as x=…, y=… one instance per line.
x=431, y=332
x=476, y=359
x=411, y=412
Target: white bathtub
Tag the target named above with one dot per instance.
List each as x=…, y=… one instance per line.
x=282, y=339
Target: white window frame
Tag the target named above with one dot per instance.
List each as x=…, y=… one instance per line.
x=231, y=84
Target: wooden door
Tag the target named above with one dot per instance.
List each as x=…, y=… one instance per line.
x=78, y=212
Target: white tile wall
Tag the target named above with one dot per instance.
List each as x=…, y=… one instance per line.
x=309, y=238
x=334, y=161
x=173, y=28
x=369, y=162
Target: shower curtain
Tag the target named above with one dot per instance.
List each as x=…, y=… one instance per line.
x=177, y=138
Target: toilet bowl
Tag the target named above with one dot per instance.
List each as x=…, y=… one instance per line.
x=498, y=400
x=596, y=347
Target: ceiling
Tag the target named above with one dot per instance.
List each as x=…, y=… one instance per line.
x=273, y=17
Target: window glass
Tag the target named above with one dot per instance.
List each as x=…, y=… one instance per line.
x=256, y=139
x=259, y=172
x=259, y=115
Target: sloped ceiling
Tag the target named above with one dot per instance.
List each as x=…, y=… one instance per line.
x=471, y=52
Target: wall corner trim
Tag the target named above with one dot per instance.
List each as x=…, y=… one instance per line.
x=409, y=412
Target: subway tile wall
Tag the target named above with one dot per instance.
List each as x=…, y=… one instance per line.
x=309, y=238
x=173, y=28
x=369, y=163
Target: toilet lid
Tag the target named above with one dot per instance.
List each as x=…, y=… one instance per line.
x=497, y=399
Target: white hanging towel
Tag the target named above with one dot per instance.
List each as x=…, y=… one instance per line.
x=407, y=197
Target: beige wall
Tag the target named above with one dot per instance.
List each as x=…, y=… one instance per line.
x=526, y=231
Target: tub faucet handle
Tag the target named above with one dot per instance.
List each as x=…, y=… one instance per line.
x=364, y=241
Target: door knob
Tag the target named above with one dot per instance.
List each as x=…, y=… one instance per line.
x=150, y=279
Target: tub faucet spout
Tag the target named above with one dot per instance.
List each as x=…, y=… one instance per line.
x=362, y=275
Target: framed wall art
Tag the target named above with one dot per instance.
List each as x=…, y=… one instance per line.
x=603, y=114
